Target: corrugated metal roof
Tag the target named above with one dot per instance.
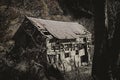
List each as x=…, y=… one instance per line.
x=59, y=29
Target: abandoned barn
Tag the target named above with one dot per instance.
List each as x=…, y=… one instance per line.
x=58, y=43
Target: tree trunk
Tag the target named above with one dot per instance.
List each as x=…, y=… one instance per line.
x=115, y=49
x=106, y=60
x=100, y=65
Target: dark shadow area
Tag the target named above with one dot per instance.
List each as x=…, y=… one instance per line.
x=77, y=8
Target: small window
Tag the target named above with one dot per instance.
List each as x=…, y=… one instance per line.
x=66, y=47
x=77, y=52
x=67, y=55
x=46, y=33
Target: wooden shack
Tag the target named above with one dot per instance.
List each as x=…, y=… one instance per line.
x=61, y=42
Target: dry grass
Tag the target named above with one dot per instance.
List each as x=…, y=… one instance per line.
x=82, y=73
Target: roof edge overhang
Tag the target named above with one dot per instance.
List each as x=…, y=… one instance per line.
x=41, y=26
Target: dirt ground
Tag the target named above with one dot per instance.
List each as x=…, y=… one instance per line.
x=81, y=73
